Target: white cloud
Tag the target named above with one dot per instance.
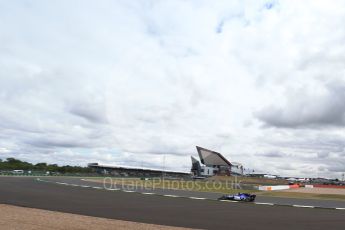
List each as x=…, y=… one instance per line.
x=113, y=81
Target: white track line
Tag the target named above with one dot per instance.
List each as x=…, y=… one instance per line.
x=197, y=198
x=112, y=189
x=148, y=193
x=127, y=191
x=263, y=203
x=170, y=195
x=340, y=208
x=231, y=201
x=61, y=183
x=302, y=206
x=97, y=187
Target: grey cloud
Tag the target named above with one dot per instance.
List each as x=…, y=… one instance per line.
x=286, y=167
x=335, y=61
x=310, y=141
x=340, y=167
x=303, y=110
x=91, y=112
x=321, y=168
x=272, y=154
x=159, y=150
x=61, y=143
x=323, y=154
x=317, y=149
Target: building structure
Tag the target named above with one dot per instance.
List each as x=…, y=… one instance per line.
x=213, y=163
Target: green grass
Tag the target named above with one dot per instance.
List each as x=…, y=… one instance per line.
x=250, y=180
x=304, y=195
x=200, y=186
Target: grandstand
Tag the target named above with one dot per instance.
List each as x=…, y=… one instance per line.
x=214, y=163
x=127, y=171
x=211, y=163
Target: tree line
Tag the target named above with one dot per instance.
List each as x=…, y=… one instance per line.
x=15, y=164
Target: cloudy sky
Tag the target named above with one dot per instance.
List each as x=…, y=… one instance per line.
x=134, y=82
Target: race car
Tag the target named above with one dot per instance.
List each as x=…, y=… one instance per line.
x=239, y=197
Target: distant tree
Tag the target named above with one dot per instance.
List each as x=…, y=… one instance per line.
x=52, y=168
x=41, y=166
x=13, y=160
x=12, y=164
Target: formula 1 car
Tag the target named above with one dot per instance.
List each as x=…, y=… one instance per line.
x=239, y=197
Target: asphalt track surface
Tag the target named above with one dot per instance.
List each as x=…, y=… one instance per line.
x=205, y=214
x=210, y=195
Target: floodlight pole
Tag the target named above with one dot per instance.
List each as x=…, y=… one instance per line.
x=163, y=166
x=163, y=171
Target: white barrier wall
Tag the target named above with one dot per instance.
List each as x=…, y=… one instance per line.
x=277, y=187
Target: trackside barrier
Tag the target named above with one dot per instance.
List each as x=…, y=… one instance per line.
x=294, y=186
x=277, y=187
x=309, y=186
x=329, y=186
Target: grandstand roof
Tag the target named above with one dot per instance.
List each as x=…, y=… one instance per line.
x=102, y=166
x=208, y=157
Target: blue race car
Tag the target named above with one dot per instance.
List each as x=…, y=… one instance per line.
x=239, y=197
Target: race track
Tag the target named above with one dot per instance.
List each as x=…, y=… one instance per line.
x=210, y=195
x=206, y=214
